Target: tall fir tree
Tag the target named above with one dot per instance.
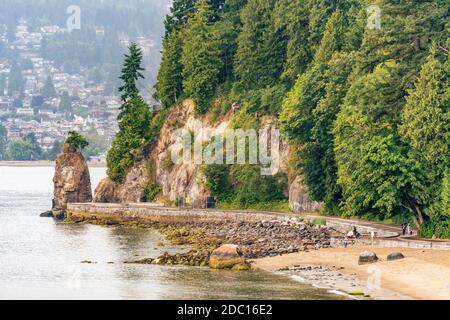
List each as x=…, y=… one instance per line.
x=425, y=129
x=48, y=91
x=261, y=46
x=131, y=73
x=169, y=84
x=134, y=118
x=201, y=57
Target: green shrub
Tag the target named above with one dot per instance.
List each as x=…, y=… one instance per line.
x=319, y=222
x=439, y=229
x=77, y=141
x=151, y=191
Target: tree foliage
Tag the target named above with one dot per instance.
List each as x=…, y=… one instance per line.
x=77, y=141
x=365, y=109
x=201, y=57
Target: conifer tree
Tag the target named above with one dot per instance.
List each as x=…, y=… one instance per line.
x=48, y=91
x=131, y=72
x=261, y=46
x=134, y=118
x=201, y=57
x=425, y=129
x=169, y=81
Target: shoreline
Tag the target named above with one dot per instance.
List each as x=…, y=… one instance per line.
x=423, y=274
x=44, y=163
x=272, y=242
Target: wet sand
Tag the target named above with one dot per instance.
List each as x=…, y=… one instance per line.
x=423, y=274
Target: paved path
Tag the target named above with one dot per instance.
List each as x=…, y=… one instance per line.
x=386, y=235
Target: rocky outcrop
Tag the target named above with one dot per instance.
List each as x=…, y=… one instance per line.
x=226, y=257
x=395, y=256
x=299, y=199
x=185, y=179
x=72, y=183
x=130, y=191
x=367, y=257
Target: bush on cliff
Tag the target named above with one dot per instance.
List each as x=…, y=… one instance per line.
x=77, y=141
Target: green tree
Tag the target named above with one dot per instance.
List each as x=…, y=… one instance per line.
x=180, y=11
x=65, y=104
x=131, y=72
x=77, y=141
x=26, y=149
x=201, y=57
x=3, y=141
x=48, y=91
x=261, y=47
x=2, y=84
x=134, y=118
x=169, y=81
x=55, y=150
x=371, y=161
x=426, y=129
x=15, y=80
x=134, y=127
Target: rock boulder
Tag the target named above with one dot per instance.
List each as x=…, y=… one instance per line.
x=72, y=183
x=395, y=256
x=367, y=257
x=299, y=199
x=226, y=257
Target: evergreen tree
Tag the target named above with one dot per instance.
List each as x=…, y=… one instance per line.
x=2, y=84
x=134, y=118
x=15, y=80
x=131, y=72
x=292, y=16
x=48, y=91
x=311, y=108
x=133, y=132
x=169, y=82
x=65, y=104
x=3, y=141
x=371, y=161
x=261, y=46
x=426, y=129
x=180, y=12
x=201, y=57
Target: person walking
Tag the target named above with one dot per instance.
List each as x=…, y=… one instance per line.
x=404, y=228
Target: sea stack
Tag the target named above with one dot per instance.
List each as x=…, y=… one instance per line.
x=72, y=182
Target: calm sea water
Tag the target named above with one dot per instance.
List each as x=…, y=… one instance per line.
x=40, y=259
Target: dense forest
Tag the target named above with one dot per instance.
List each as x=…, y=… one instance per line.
x=360, y=90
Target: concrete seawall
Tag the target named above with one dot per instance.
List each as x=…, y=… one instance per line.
x=386, y=236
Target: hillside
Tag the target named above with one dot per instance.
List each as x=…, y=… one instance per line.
x=359, y=89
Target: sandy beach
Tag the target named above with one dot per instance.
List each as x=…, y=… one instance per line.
x=423, y=274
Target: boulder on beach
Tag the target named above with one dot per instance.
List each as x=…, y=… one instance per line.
x=226, y=257
x=72, y=183
x=395, y=256
x=367, y=257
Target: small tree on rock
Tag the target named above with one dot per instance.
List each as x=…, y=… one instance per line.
x=76, y=141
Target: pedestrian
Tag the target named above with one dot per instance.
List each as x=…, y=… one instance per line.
x=408, y=229
x=404, y=228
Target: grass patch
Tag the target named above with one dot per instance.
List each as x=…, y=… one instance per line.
x=268, y=206
x=319, y=222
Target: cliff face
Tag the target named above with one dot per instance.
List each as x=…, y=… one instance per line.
x=72, y=183
x=176, y=180
x=183, y=179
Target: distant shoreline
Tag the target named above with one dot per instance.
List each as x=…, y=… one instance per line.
x=91, y=164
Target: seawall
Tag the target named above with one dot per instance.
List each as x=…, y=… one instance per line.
x=385, y=236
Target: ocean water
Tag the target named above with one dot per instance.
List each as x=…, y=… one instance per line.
x=41, y=259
